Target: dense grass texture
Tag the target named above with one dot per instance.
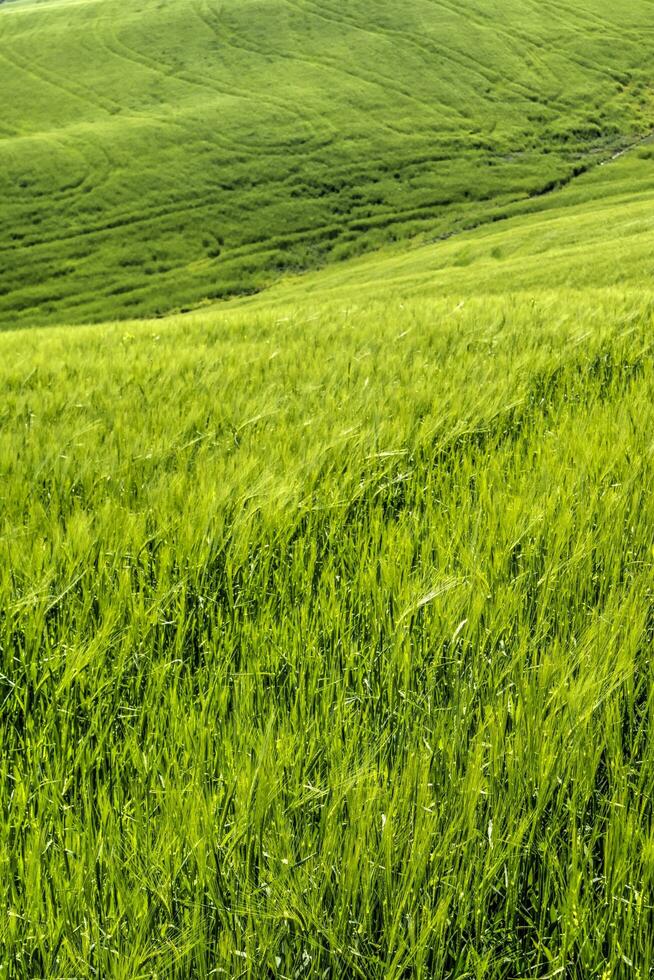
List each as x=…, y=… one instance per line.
x=326, y=643
x=326, y=614
x=159, y=153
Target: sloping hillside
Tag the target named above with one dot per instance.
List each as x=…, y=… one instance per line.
x=327, y=619
x=162, y=152
x=596, y=233
x=326, y=613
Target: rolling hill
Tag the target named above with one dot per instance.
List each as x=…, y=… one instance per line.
x=326, y=611
x=157, y=154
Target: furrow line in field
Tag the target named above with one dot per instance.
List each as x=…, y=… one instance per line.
x=438, y=49
x=377, y=81
x=40, y=74
x=305, y=118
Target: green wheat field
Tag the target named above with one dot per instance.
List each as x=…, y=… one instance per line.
x=327, y=489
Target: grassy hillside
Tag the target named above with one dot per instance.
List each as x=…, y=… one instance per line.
x=326, y=646
x=594, y=234
x=326, y=614
x=327, y=623
x=156, y=154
